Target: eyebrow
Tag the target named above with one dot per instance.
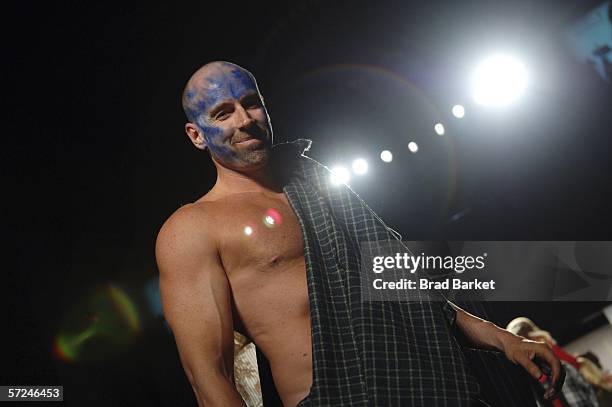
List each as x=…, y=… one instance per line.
x=218, y=107
x=221, y=105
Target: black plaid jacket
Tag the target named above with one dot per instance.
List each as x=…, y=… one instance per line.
x=369, y=353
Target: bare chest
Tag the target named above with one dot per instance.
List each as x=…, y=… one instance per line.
x=259, y=233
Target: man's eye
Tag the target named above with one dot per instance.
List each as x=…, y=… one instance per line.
x=222, y=115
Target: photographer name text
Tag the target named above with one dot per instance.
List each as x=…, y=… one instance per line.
x=426, y=284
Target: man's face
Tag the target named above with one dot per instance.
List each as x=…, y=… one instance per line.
x=227, y=109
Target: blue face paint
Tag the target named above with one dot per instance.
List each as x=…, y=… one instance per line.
x=224, y=85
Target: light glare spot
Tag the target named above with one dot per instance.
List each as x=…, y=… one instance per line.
x=386, y=156
x=248, y=230
x=272, y=217
x=439, y=129
x=360, y=166
x=458, y=111
x=339, y=175
x=499, y=80
x=413, y=147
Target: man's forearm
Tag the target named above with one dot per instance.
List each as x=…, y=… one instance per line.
x=518, y=350
x=482, y=333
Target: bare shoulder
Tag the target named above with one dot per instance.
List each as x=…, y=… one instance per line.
x=187, y=234
x=191, y=219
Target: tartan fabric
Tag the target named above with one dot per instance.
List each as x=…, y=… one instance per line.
x=366, y=353
x=576, y=390
x=503, y=383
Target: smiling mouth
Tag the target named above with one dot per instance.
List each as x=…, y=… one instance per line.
x=246, y=138
x=247, y=141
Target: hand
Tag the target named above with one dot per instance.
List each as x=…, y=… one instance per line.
x=523, y=351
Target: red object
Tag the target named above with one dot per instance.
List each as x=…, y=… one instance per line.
x=564, y=356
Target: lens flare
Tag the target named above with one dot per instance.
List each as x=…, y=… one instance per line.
x=248, y=230
x=102, y=325
x=272, y=218
x=152, y=294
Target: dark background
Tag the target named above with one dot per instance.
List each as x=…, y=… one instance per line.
x=96, y=157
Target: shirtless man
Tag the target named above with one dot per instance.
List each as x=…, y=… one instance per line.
x=221, y=269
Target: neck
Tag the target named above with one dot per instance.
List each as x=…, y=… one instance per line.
x=231, y=181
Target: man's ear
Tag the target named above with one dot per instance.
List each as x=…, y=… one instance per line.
x=195, y=135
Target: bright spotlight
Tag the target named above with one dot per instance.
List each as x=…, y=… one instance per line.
x=458, y=111
x=386, y=156
x=439, y=129
x=413, y=147
x=339, y=175
x=499, y=80
x=360, y=166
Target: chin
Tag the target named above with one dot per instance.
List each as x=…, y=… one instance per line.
x=249, y=161
x=257, y=159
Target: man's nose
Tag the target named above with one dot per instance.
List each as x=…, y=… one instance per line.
x=243, y=117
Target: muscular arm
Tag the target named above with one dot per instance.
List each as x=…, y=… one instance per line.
x=485, y=334
x=197, y=305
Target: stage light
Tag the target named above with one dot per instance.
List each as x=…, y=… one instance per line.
x=458, y=111
x=360, y=166
x=499, y=80
x=439, y=129
x=386, y=156
x=339, y=175
x=413, y=147
x=248, y=230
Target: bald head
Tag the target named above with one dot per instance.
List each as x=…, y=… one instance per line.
x=227, y=116
x=212, y=84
